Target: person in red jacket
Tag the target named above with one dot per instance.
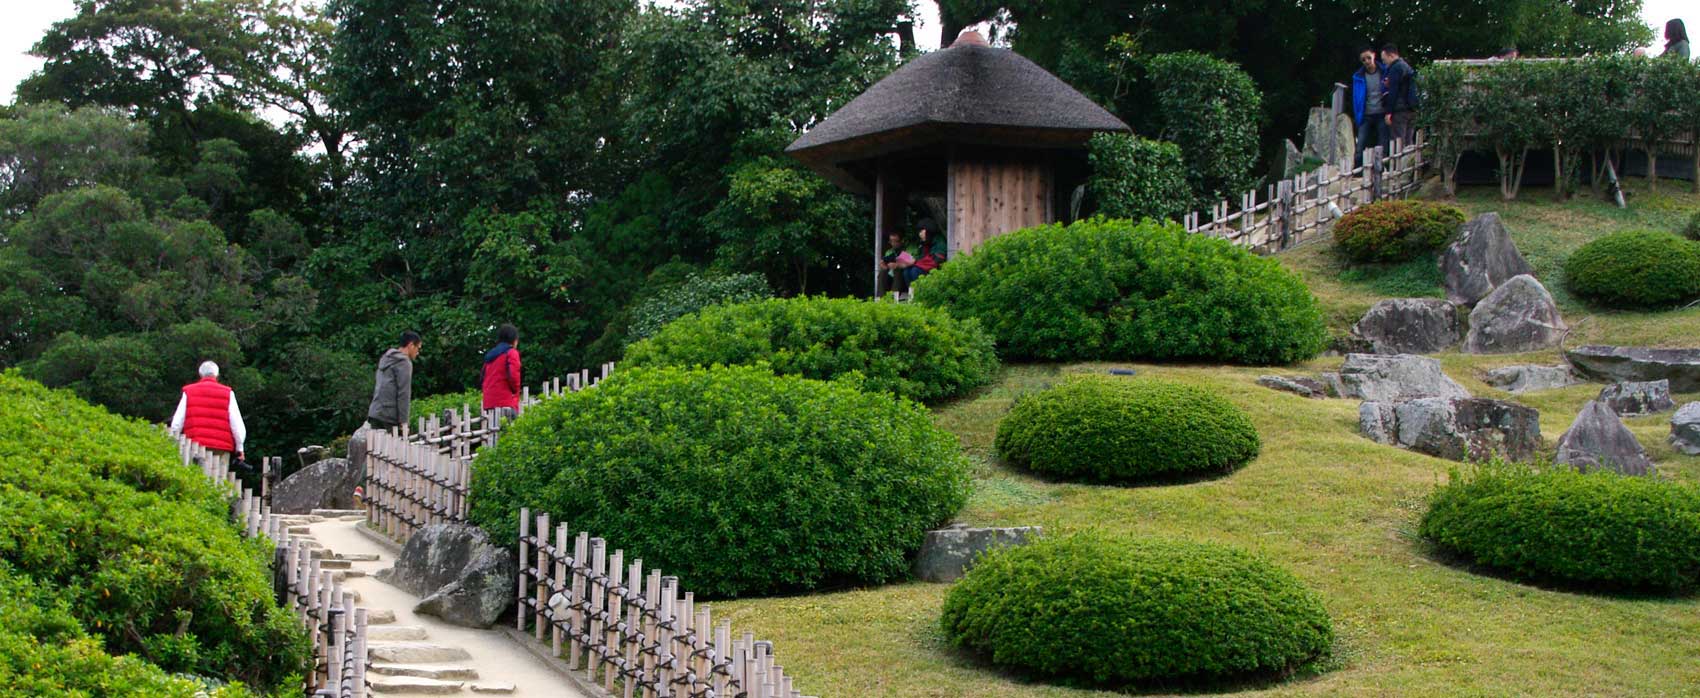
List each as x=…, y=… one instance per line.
x=208, y=415
x=502, y=372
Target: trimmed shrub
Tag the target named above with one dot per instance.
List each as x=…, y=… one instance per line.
x=913, y=351
x=137, y=550
x=697, y=292
x=1207, y=106
x=435, y=404
x=1395, y=231
x=1116, y=612
x=1113, y=289
x=1106, y=429
x=1136, y=178
x=1635, y=269
x=736, y=480
x=1555, y=524
x=1691, y=230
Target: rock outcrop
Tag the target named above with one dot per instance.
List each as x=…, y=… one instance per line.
x=461, y=577
x=1384, y=378
x=1598, y=440
x=1482, y=258
x=1638, y=398
x=1616, y=364
x=1518, y=316
x=1409, y=326
x=1685, y=429
x=1529, y=378
x=947, y=553
x=1455, y=428
x=327, y=484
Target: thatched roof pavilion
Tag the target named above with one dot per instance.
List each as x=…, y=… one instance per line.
x=1001, y=140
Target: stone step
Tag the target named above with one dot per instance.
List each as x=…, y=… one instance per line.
x=415, y=653
x=414, y=685
x=496, y=688
x=335, y=513
x=424, y=671
x=335, y=564
x=386, y=633
x=301, y=530
x=344, y=575
x=321, y=554
x=359, y=557
x=299, y=519
x=379, y=616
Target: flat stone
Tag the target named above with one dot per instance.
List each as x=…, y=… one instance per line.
x=1615, y=364
x=498, y=688
x=414, y=684
x=1528, y=378
x=1639, y=398
x=947, y=553
x=1409, y=326
x=1518, y=316
x=1384, y=378
x=1301, y=385
x=1455, y=428
x=338, y=513
x=344, y=575
x=335, y=564
x=441, y=673
x=379, y=616
x=299, y=530
x=395, y=633
x=415, y=653
x=327, y=484
x=1482, y=258
x=1598, y=440
x=1685, y=429
x=358, y=557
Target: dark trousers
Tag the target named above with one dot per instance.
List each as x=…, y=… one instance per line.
x=892, y=281
x=1404, y=128
x=1372, y=132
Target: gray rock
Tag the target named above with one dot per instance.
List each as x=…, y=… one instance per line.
x=1635, y=399
x=1330, y=137
x=327, y=484
x=1613, y=364
x=947, y=553
x=1598, y=440
x=414, y=653
x=1291, y=160
x=1335, y=386
x=1409, y=326
x=1685, y=429
x=1480, y=260
x=1378, y=377
x=357, y=445
x=1302, y=385
x=461, y=577
x=1518, y=316
x=1527, y=378
x=1455, y=428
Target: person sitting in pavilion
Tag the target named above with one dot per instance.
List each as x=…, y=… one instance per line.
x=894, y=266
x=930, y=251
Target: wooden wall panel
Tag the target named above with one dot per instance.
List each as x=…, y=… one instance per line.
x=990, y=197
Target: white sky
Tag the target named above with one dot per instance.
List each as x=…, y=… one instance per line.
x=26, y=20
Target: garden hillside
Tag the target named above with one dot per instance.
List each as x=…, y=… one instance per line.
x=1339, y=511
x=120, y=574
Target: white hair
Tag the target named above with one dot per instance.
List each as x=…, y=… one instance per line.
x=209, y=369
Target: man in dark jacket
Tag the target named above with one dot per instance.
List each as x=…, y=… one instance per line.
x=392, y=392
x=1399, y=95
x=502, y=372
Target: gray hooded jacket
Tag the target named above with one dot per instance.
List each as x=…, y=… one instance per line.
x=392, y=393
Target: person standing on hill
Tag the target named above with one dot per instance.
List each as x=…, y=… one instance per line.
x=1676, y=40
x=1399, y=95
x=502, y=373
x=392, y=390
x=1367, y=105
x=208, y=415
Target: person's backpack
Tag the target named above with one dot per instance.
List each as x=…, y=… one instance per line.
x=1414, y=91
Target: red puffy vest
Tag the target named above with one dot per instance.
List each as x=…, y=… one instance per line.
x=206, y=416
x=501, y=381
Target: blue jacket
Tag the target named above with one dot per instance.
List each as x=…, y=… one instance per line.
x=1359, y=91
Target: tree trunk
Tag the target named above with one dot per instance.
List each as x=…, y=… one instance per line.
x=1558, y=178
x=1652, y=168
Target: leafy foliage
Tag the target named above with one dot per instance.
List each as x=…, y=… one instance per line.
x=912, y=351
x=1555, y=524
x=1135, y=178
x=1396, y=230
x=1691, y=230
x=787, y=483
x=102, y=517
x=1635, y=269
x=1113, y=289
x=1125, y=611
x=1209, y=108
x=697, y=292
x=1104, y=429
x=436, y=404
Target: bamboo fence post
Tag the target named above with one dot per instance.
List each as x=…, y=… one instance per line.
x=524, y=532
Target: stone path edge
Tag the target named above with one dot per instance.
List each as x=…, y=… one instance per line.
x=379, y=538
x=541, y=651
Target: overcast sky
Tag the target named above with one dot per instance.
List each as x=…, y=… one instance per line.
x=26, y=20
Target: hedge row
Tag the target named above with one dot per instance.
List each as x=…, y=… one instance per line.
x=1635, y=270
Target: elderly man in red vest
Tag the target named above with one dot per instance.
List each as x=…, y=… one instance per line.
x=208, y=415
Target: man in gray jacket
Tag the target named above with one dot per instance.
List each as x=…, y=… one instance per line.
x=392, y=393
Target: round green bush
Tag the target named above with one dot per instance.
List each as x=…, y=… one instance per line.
x=736, y=480
x=1395, y=231
x=1107, y=429
x=916, y=352
x=1635, y=269
x=1114, y=289
x=1692, y=229
x=1555, y=524
x=1117, y=612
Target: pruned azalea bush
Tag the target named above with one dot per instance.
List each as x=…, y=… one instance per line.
x=1635, y=270
x=1114, y=289
x=1396, y=230
x=1107, y=429
x=1554, y=524
x=913, y=351
x=736, y=480
x=1113, y=612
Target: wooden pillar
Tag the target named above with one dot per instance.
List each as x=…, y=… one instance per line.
x=879, y=224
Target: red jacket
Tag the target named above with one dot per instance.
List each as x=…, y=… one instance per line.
x=501, y=378
x=206, y=414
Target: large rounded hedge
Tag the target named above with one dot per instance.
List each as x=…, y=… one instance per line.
x=1117, y=612
x=1598, y=529
x=736, y=480
x=1108, y=429
x=1113, y=289
x=1635, y=269
x=916, y=352
x=1396, y=230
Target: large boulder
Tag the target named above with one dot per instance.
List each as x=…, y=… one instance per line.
x=1598, y=440
x=1685, y=429
x=1455, y=428
x=462, y=577
x=1409, y=326
x=1637, y=398
x=1518, y=316
x=327, y=484
x=1482, y=258
x=1330, y=137
x=358, y=445
x=1384, y=378
x=947, y=553
x=1528, y=378
x=1612, y=364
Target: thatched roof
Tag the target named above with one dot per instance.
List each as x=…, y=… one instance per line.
x=969, y=93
